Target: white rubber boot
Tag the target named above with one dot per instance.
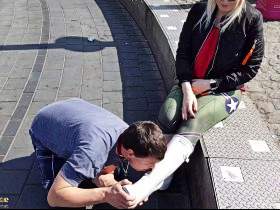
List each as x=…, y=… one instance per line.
x=178, y=150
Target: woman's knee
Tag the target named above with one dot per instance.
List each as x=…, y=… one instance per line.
x=169, y=114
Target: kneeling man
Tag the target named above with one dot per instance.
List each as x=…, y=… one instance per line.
x=76, y=141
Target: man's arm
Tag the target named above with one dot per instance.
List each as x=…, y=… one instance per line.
x=62, y=194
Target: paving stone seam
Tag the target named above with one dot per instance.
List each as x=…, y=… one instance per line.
x=82, y=67
x=81, y=81
x=60, y=80
x=64, y=58
x=101, y=60
x=4, y=43
x=30, y=87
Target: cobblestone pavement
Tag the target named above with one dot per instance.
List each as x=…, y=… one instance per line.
x=264, y=88
x=45, y=56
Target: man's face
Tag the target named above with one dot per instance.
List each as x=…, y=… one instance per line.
x=142, y=164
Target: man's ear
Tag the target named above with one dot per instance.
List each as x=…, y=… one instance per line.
x=127, y=153
x=130, y=153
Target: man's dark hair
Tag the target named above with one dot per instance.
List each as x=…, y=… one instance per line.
x=145, y=138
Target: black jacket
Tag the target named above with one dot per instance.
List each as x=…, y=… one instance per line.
x=234, y=44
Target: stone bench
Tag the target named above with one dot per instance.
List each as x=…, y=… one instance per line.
x=237, y=163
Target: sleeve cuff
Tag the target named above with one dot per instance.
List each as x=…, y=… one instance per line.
x=70, y=175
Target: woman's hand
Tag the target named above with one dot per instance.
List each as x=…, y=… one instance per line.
x=200, y=86
x=189, y=106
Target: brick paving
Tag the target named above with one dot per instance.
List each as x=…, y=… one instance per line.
x=45, y=56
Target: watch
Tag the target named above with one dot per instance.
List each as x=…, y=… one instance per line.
x=213, y=84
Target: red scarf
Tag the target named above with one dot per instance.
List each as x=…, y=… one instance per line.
x=206, y=54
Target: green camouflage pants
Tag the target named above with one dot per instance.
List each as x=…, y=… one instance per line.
x=211, y=110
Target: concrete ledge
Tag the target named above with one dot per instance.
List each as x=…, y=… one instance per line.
x=157, y=38
x=235, y=164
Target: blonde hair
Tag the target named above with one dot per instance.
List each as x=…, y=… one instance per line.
x=230, y=18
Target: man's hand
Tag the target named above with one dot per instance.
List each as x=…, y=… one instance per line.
x=118, y=198
x=144, y=201
x=200, y=86
x=63, y=194
x=105, y=180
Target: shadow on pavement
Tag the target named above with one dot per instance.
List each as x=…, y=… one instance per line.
x=20, y=184
x=72, y=43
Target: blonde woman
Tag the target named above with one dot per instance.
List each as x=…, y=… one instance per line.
x=221, y=47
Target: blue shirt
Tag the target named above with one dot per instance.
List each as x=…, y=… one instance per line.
x=80, y=132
